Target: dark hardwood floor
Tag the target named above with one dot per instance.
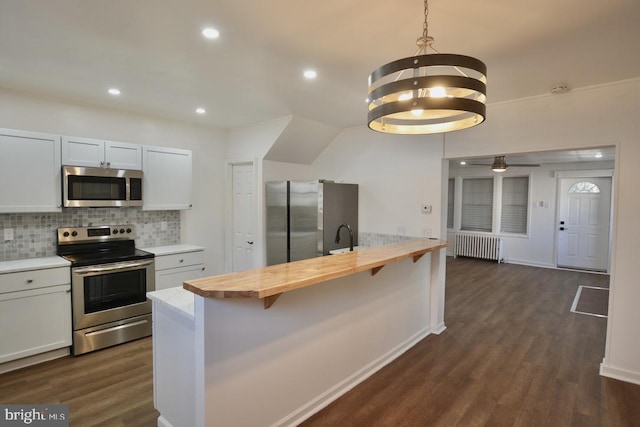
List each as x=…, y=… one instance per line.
x=512, y=355
x=111, y=387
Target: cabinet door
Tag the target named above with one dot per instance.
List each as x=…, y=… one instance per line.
x=82, y=152
x=29, y=172
x=175, y=276
x=34, y=321
x=122, y=155
x=166, y=184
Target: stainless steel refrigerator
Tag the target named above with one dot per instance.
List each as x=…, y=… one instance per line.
x=304, y=216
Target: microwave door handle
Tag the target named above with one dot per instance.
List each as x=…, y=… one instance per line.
x=111, y=267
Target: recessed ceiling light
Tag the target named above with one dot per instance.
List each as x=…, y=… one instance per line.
x=211, y=33
x=310, y=74
x=113, y=91
x=598, y=155
x=200, y=110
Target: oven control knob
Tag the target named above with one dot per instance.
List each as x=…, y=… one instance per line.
x=122, y=231
x=65, y=234
x=128, y=230
x=74, y=233
x=115, y=231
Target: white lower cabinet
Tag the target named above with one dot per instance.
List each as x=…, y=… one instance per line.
x=35, y=312
x=177, y=263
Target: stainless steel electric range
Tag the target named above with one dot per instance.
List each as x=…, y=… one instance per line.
x=110, y=279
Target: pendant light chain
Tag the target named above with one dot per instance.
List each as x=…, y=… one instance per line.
x=425, y=27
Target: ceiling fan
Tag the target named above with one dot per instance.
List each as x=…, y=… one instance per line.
x=500, y=165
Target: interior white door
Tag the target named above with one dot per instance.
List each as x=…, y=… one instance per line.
x=583, y=229
x=243, y=217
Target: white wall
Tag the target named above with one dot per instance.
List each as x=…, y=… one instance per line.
x=396, y=174
x=203, y=224
x=537, y=248
x=310, y=347
x=591, y=117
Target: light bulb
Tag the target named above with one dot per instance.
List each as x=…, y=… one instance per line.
x=437, y=92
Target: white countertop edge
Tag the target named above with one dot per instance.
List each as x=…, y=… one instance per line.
x=18, y=265
x=177, y=299
x=173, y=249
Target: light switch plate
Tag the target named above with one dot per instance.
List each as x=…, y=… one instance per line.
x=8, y=234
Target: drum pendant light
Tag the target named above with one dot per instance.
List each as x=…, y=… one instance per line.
x=428, y=92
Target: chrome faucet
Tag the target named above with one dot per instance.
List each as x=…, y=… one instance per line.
x=350, y=235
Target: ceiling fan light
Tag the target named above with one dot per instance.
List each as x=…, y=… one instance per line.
x=499, y=164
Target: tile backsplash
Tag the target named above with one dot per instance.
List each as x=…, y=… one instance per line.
x=34, y=234
x=377, y=239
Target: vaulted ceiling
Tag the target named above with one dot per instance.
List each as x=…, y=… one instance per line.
x=152, y=50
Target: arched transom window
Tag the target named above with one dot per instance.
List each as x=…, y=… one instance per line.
x=584, y=187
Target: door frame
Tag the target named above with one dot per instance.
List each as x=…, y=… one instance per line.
x=586, y=173
x=228, y=232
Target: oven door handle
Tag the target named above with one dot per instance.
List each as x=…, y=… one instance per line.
x=111, y=267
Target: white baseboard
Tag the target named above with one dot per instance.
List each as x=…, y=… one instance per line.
x=34, y=360
x=619, y=374
x=162, y=422
x=324, y=399
x=529, y=263
x=439, y=329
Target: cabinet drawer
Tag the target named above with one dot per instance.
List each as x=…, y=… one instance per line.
x=34, y=279
x=173, y=277
x=179, y=260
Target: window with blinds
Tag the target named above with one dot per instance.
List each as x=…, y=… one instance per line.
x=477, y=204
x=450, y=201
x=515, y=203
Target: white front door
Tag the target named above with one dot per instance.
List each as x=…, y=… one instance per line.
x=243, y=217
x=583, y=228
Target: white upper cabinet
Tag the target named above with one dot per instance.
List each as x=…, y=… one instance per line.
x=98, y=153
x=30, y=170
x=166, y=181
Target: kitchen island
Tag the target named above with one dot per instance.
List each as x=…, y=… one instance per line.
x=227, y=360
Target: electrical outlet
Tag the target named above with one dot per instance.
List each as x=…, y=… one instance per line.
x=8, y=234
x=426, y=232
x=401, y=230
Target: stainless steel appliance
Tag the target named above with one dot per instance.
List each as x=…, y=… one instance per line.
x=110, y=279
x=303, y=218
x=100, y=187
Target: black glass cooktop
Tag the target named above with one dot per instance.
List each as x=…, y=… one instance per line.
x=84, y=254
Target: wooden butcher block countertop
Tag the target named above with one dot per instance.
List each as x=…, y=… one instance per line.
x=270, y=282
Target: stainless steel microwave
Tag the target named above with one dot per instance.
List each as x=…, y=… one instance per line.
x=84, y=187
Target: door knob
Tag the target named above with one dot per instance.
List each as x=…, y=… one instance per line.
x=251, y=243
x=562, y=228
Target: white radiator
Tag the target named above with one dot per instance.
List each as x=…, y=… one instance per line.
x=478, y=246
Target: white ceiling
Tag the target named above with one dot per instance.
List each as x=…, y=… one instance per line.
x=153, y=51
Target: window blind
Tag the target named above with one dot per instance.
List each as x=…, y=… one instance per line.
x=477, y=204
x=515, y=203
